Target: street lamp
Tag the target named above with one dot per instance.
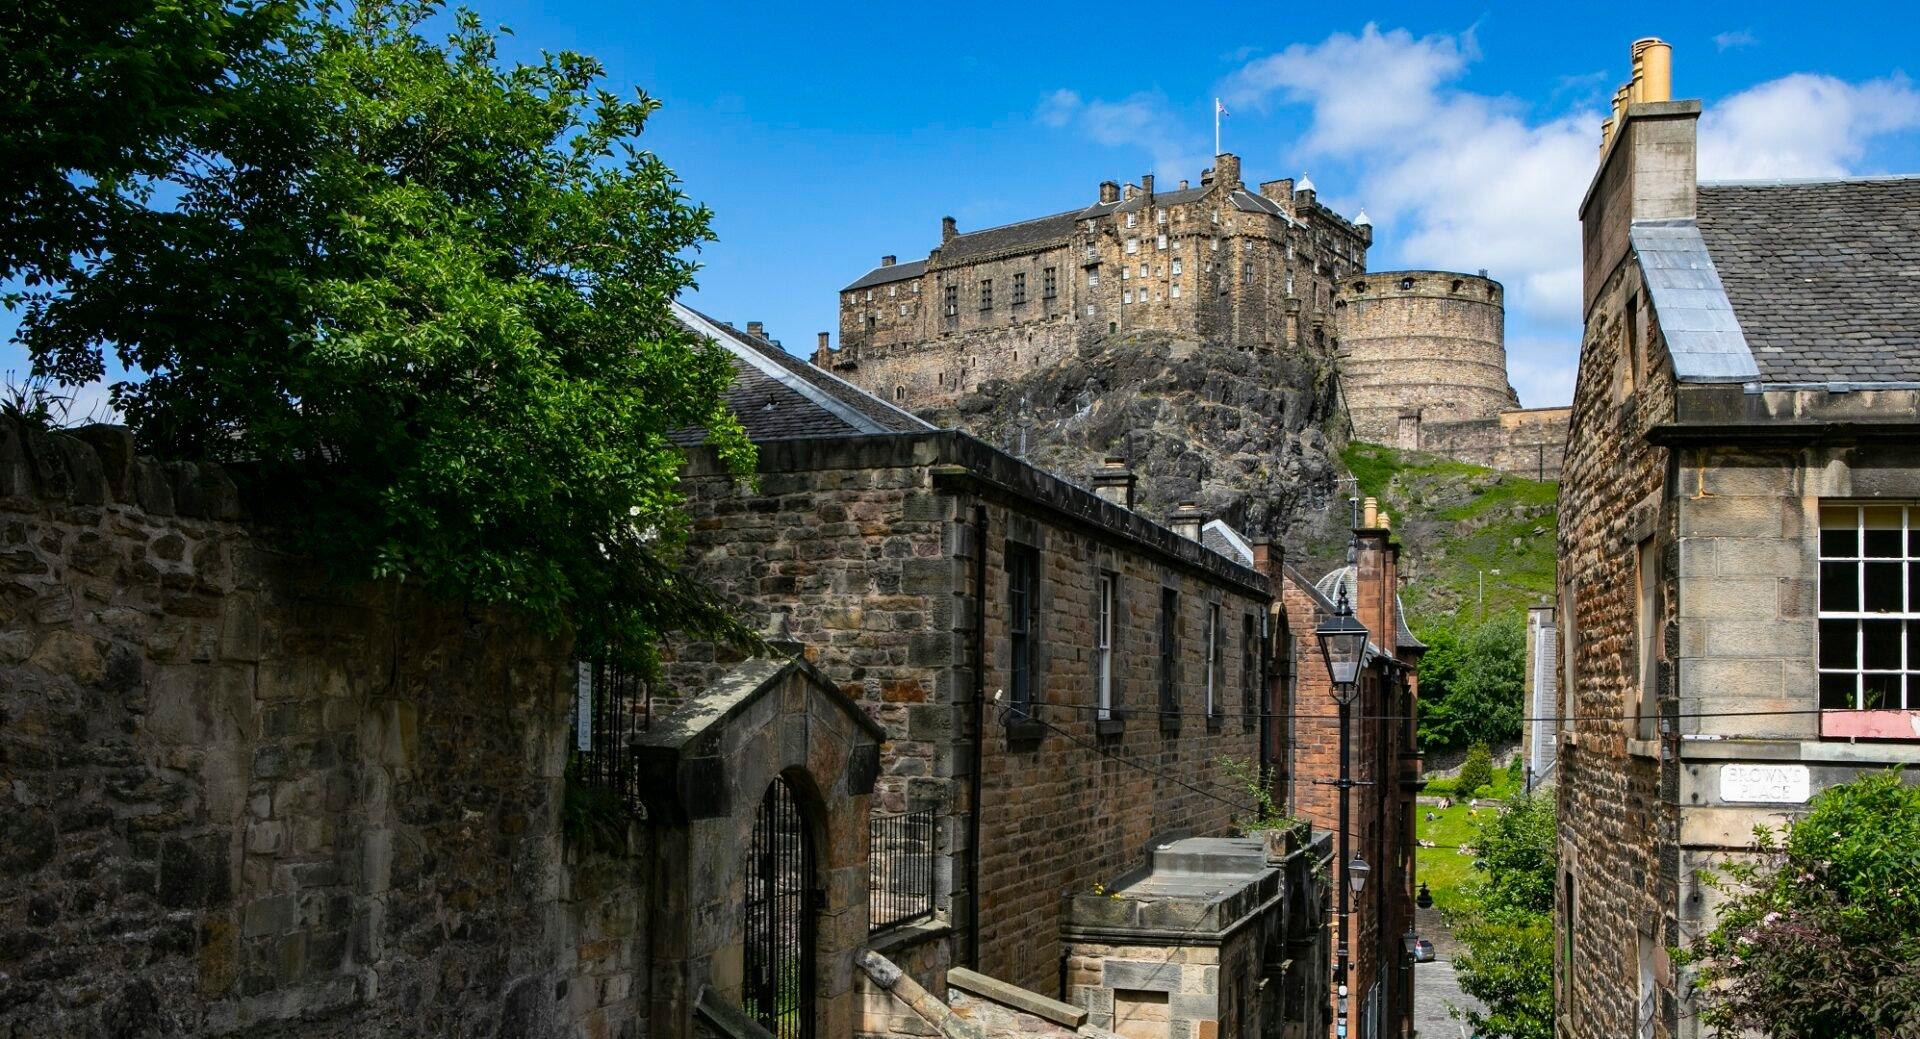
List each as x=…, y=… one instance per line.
x=1343, y=645
x=1425, y=898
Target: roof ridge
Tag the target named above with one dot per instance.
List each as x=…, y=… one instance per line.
x=1017, y=223
x=1782, y=182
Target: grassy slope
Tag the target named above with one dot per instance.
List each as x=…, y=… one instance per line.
x=1446, y=870
x=1456, y=521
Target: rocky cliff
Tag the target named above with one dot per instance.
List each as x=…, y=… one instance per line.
x=1250, y=434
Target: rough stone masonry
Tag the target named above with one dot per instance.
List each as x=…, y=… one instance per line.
x=237, y=799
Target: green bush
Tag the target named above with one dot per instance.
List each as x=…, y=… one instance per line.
x=1472, y=683
x=1508, y=931
x=1441, y=786
x=1822, y=939
x=1477, y=770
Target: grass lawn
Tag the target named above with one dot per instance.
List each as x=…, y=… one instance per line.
x=1446, y=871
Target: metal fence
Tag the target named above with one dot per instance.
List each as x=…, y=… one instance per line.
x=612, y=705
x=899, y=869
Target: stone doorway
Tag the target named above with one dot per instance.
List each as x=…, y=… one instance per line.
x=778, y=958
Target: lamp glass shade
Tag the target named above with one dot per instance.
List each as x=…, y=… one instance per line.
x=1343, y=645
x=1357, y=871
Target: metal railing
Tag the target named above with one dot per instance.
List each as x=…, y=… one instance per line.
x=899, y=869
x=612, y=705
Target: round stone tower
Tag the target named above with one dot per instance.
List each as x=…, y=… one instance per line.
x=1420, y=346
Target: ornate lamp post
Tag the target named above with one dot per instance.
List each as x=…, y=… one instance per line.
x=1343, y=645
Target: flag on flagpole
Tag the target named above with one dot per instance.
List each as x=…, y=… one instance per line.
x=1220, y=108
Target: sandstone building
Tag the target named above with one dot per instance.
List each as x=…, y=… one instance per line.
x=1736, y=518
x=1254, y=267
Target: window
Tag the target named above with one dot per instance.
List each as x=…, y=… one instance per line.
x=1022, y=571
x=890, y=289
x=1160, y=216
x=1133, y=245
x=869, y=295
x=1176, y=268
x=1289, y=283
x=899, y=392
x=1249, y=245
x=986, y=293
x=1093, y=277
x=1406, y=284
x=1143, y=270
x=1215, y=243
x=1569, y=644
x=1131, y=219
x=1870, y=607
x=1648, y=609
x=1160, y=241
x=1020, y=287
x=1176, y=290
x=1249, y=671
x=1631, y=362
x=1169, y=655
x=1050, y=282
x=914, y=288
x=1216, y=659
x=1127, y=296
x=903, y=310
x=1246, y=274
x=1649, y=994
x=1126, y=273
x=953, y=300
x=1103, y=645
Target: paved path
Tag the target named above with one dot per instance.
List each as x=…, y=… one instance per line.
x=1434, y=989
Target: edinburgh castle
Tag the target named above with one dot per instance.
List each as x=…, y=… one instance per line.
x=1419, y=355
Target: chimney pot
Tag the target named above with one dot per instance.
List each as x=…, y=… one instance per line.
x=1652, y=70
x=1187, y=520
x=1114, y=482
x=823, y=340
x=887, y=261
x=755, y=328
x=948, y=229
x=1370, y=513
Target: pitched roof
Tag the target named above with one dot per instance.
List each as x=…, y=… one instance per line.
x=778, y=396
x=1224, y=540
x=1703, y=335
x=886, y=274
x=1025, y=236
x=1824, y=276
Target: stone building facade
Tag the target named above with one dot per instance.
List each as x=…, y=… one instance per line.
x=1734, y=516
x=1423, y=367
x=1220, y=261
x=1059, y=679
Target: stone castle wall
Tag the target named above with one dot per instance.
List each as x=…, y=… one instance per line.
x=237, y=799
x=1431, y=342
x=1529, y=442
x=1251, y=266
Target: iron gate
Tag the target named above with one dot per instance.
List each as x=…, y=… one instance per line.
x=779, y=926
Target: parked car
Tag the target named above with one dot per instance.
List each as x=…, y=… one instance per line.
x=1422, y=951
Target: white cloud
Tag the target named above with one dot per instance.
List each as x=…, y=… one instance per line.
x=1734, y=39
x=1802, y=125
x=1144, y=121
x=1459, y=180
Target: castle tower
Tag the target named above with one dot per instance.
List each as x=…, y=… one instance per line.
x=1421, y=346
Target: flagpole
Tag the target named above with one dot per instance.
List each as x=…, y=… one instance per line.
x=1216, y=126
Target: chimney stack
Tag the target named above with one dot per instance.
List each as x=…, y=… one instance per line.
x=823, y=355
x=1114, y=482
x=1109, y=191
x=887, y=261
x=1129, y=191
x=1376, y=577
x=1183, y=183
x=1146, y=184
x=823, y=342
x=1187, y=520
x=1648, y=164
x=947, y=229
x=755, y=328
x=1226, y=169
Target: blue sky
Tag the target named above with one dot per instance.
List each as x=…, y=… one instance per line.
x=825, y=137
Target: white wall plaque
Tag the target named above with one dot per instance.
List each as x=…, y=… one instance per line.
x=583, y=708
x=1764, y=784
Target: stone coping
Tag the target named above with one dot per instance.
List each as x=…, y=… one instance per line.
x=726, y=1018
x=904, y=936
x=1018, y=998
x=1194, y=891
x=731, y=693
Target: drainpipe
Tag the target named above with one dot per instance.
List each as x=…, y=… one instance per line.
x=979, y=731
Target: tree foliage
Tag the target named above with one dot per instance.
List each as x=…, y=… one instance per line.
x=1508, y=927
x=1476, y=771
x=424, y=293
x=1821, y=937
x=1472, y=683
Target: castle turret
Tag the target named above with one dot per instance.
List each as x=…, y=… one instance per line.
x=1421, y=346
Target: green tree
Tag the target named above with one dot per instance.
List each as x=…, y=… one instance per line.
x=1508, y=927
x=426, y=296
x=1822, y=936
x=1476, y=771
x=1473, y=684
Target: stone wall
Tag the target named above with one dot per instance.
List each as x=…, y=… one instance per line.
x=1528, y=442
x=1616, y=901
x=241, y=800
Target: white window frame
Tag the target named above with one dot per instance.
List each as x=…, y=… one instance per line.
x=1176, y=290
x=1132, y=218
x=1646, y=576
x=1176, y=267
x=1161, y=241
x=1907, y=564
x=1215, y=658
x=1133, y=246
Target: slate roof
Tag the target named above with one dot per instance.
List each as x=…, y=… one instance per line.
x=888, y=274
x=1328, y=587
x=1025, y=236
x=1823, y=275
x=1226, y=541
x=1703, y=335
x=781, y=397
